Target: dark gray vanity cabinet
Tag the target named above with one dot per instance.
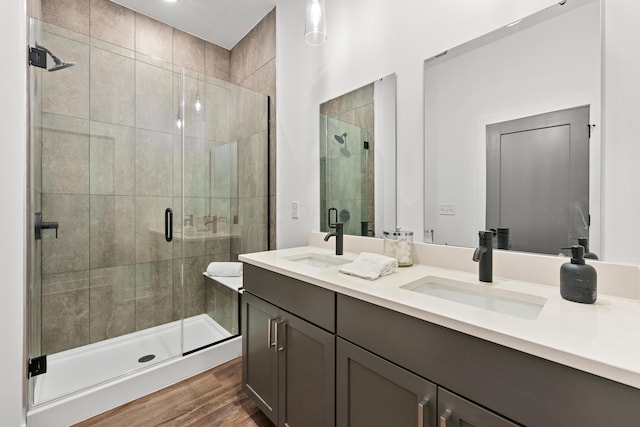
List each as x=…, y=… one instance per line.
x=372, y=392
x=312, y=357
x=260, y=359
x=488, y=379
x=288, y=362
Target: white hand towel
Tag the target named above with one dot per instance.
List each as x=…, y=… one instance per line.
x=225, y=269
x=370, y=266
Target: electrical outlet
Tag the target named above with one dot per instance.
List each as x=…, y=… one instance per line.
x=447, y=209
x=295, y=210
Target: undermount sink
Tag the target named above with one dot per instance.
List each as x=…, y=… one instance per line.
x=318, y=261
x=502, y=301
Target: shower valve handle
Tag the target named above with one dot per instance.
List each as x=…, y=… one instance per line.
x=43, y=225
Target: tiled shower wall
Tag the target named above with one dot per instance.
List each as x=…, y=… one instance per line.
x=354, y=108
x=253, y=66
x=108, y=137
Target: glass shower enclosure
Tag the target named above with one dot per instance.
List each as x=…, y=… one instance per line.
x=142, y=172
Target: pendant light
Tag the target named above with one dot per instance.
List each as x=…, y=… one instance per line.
x=315, y=29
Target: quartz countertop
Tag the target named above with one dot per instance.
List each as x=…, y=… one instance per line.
x=601, y=338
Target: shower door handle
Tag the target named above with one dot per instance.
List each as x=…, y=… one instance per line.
x=168, y=224
x=329, y=223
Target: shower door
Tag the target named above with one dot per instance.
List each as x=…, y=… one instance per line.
x=106, y=157
x=346, y=177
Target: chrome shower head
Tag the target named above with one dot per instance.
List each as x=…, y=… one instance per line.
x=59, y=64
x=341, y=138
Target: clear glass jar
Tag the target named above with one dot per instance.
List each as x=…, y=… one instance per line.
x=399, y=245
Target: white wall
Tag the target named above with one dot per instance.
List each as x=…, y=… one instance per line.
x=384, y=99
x=12, y=216
x=621, y=111
x=367, y=39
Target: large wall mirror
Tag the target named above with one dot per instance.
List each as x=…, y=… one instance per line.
x=512, y=134
x=358, y=159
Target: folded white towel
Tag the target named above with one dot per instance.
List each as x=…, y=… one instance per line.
x=370, y=266
x=225, y=269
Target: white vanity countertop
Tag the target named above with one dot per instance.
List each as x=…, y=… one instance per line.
x=601, y=338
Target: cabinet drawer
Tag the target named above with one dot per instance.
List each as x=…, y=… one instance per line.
x=527, y=389
x=310, y=302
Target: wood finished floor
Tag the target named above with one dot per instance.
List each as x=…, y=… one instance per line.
x=212, y=398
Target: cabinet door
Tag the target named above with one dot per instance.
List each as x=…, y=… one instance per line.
x=454, y=411
x=307, y=373
x=260, y=358
x=373, y=392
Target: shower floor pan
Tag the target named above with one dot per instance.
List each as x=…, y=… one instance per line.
x=87, y=366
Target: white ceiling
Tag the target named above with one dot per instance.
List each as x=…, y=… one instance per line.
x=223, y=22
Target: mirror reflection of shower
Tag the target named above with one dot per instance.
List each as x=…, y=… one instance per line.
x=59, y=64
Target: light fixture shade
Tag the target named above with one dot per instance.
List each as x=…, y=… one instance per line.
x=315, y=29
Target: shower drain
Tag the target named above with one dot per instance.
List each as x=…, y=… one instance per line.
x=147, y=358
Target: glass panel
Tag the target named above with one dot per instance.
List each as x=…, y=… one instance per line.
x=346, y=181
x=104, y=143
x=225, y=200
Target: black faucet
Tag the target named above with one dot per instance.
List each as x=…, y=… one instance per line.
x=339, y=233
x=484, y=255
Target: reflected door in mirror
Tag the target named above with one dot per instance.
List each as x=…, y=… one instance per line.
x=538, y=179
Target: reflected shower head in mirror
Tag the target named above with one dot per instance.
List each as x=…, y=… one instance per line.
x=341, y=138
x=59, y=64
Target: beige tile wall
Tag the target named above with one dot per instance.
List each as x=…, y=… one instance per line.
x=108, y=137
x=253, y=66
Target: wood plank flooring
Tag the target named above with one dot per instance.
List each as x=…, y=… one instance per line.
x=212, y=398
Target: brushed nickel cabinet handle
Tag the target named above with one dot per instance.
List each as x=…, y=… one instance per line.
x=280, y=345
x=269, y=327
x=421, y=406
x=444, y=417
x=275, y=333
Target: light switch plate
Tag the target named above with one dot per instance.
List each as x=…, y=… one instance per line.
x=295, y=210
x=447, y=209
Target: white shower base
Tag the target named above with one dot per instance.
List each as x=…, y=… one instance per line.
x=86, y=381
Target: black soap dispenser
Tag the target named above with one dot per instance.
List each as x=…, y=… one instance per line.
x=578, y=281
